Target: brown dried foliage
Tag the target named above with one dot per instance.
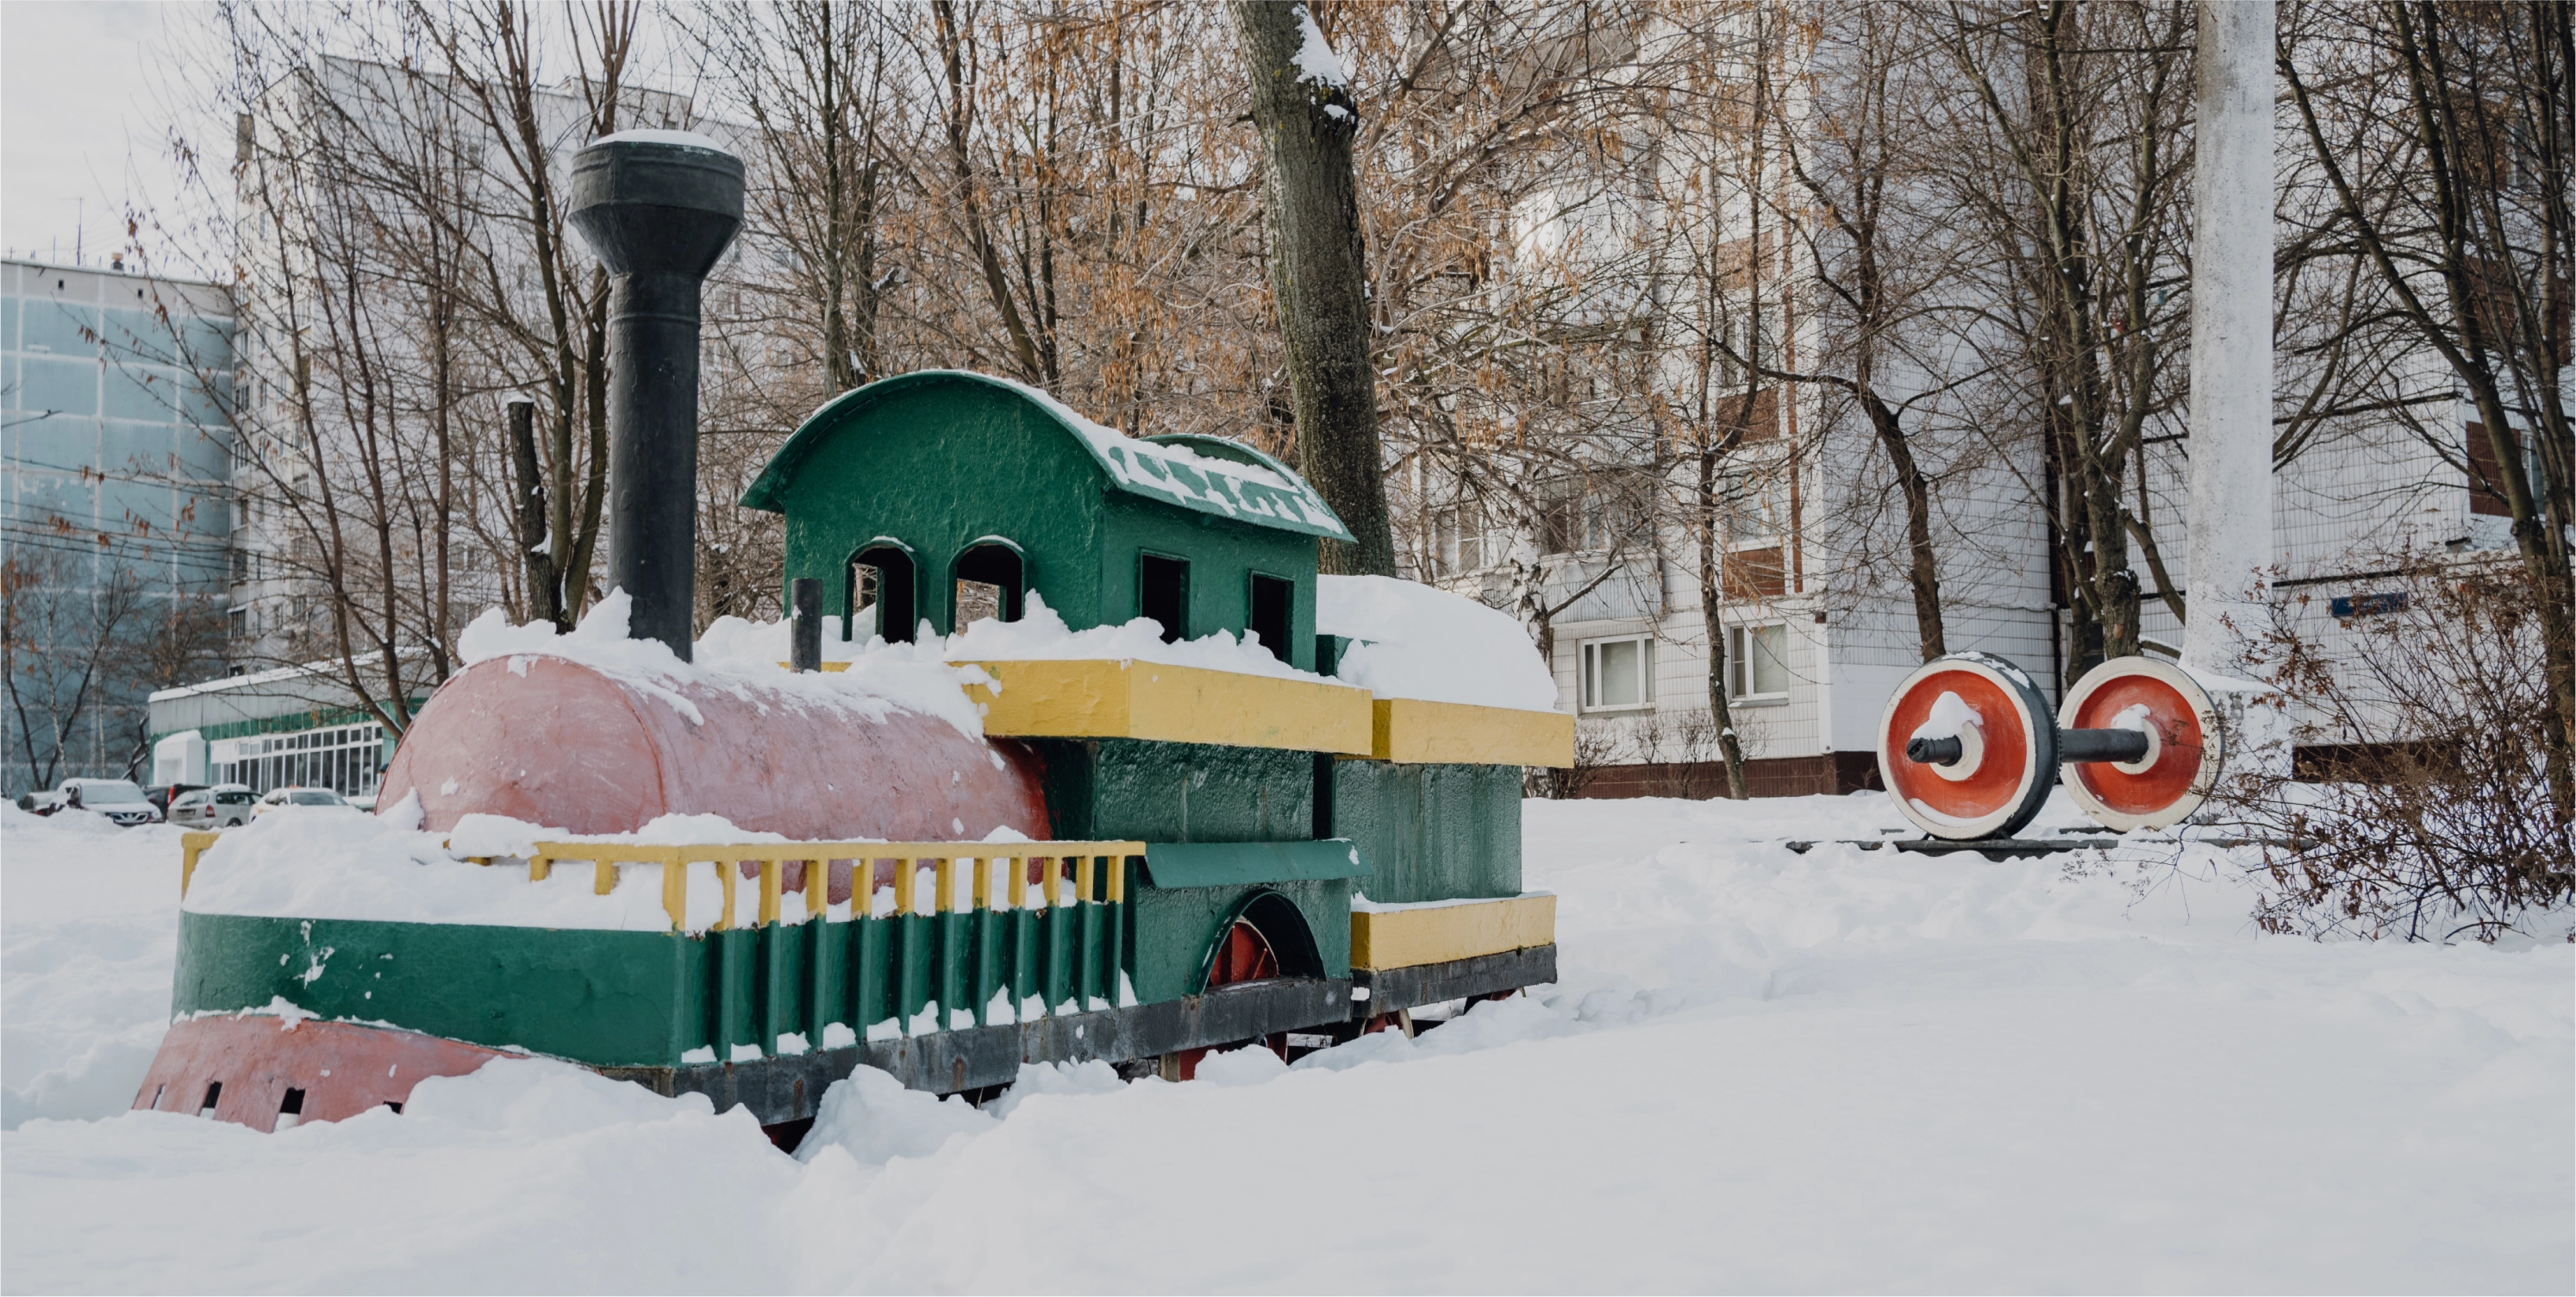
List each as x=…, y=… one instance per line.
x=2437, y=820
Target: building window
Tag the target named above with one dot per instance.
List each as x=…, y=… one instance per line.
x=1754, y=504
x=1576, y=516
x=1458, y=540
x=1619, y=674
x=346, y=759
x=1757, y=663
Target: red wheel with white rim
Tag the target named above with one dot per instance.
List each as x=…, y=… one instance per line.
x=1984, y=747
x=2157, y=698
x=1243, y=954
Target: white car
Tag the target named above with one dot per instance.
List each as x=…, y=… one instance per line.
x=120, y=800
x=277, y=797
x=221, y=806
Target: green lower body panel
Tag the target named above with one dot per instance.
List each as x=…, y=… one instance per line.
x=651, y=999
x=1176, y=792
x=1429, y=832
x=591, y=996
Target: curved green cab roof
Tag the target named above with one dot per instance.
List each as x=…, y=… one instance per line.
x=1209, y=475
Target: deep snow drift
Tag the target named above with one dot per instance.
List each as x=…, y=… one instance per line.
x=1843, y=1070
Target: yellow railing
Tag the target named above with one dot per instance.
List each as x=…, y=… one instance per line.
x=606, y=858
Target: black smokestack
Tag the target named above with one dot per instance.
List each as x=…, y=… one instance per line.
x=658, y=208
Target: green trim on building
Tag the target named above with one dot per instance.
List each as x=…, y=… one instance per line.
x=318, y=718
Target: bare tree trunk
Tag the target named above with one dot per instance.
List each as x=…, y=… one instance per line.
x=1712, y=587
x=1319, y=270
x=529, y=512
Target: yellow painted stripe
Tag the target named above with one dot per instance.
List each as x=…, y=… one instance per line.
x=1412, y=730
x=1403, y=938
x=1088, y=698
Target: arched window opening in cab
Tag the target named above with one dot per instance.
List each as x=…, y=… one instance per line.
x=880, y=595
x=990, y=578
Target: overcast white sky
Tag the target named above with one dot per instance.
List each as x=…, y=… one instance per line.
x=83, y=126
x=89, y=93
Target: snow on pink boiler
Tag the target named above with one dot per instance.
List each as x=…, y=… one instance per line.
x=574, y=746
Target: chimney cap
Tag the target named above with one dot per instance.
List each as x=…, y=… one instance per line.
x=653, y=202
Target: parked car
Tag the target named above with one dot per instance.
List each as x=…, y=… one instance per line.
x=277, y=797
x=221, y=806
x=161, y=795
x=120, y=800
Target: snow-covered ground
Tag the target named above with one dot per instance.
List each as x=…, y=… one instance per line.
x=1844, y=1070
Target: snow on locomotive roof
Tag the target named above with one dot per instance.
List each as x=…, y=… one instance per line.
x=1417, y=641
x=1041, y=635
x=1209, y=475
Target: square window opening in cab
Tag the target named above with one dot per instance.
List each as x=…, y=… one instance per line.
x=1274, y=601
x=1163, y=593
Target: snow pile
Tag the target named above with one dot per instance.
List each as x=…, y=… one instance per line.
x=1041, y=635
x=773, y=642
x=1422, y=642
x=1841, y=1070
x=880, y=679
x=336, y=863
x=88, y=925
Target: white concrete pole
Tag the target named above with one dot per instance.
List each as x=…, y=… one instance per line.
x=2229, y=537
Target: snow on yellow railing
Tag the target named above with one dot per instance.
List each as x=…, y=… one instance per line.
x=607, y=857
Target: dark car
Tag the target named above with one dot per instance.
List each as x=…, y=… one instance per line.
x=164, y=794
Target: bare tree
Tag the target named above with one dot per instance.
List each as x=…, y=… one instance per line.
x=2444, y=136
x=2071, y=158
x=1303, y=107
x=1877, y=262
x=180, y=642
x=63, y=640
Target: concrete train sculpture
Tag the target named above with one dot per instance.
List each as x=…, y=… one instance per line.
x=1134, y=861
